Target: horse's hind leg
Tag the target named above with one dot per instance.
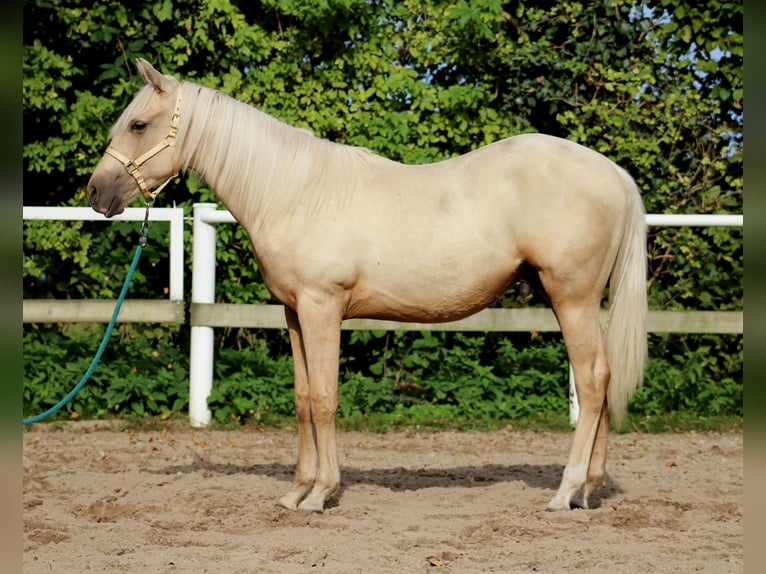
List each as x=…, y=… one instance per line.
x=579, y=321
x=597, y=469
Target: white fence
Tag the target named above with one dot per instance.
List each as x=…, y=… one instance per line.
x=205, y=314
x=132, y=310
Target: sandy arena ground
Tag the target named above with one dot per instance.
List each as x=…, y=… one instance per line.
x=195, y=501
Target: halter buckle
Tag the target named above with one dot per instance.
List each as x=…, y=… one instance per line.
x=131, y=167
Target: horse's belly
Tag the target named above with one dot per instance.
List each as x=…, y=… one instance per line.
x=428, y=296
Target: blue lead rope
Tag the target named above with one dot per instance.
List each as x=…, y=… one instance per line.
x=105, y=340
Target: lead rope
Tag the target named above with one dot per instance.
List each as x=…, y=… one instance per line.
x=142, y=238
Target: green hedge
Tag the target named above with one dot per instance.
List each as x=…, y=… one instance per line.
x=429, y=375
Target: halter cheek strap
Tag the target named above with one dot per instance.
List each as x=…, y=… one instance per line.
x=132, y=166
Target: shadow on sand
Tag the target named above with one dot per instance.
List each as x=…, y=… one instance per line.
x=539, y=476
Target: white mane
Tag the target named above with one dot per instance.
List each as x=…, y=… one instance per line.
x=259, y=165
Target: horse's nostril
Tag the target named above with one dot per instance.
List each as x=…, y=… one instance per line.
x=92, y=194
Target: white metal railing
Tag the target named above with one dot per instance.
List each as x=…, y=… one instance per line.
x=207, y=216
x=70, y=309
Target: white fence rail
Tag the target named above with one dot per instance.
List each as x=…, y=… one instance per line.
x=132, y=310
x=205, y=314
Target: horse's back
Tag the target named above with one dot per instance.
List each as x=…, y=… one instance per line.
x=535, y=185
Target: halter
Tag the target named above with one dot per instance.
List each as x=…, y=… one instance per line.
x=132, y=165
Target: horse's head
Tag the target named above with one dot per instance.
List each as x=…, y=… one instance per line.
x=142, y=151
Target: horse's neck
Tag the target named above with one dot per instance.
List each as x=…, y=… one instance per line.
x=256, y=165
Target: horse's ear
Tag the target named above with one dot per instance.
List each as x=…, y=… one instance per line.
x=152, y=76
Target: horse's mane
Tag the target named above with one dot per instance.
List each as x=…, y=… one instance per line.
x=259, y=165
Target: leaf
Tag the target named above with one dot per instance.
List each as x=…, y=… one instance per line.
x=163, y=11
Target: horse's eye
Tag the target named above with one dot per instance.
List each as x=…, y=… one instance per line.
x=137, y=126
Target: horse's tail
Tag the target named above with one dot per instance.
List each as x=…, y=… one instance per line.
x=626, y=323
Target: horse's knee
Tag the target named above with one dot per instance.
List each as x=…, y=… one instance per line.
x=323, y=408
x=601, y=372
x=302, y=408
x=592, y=384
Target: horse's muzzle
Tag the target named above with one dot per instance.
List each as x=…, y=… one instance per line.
x=115, y=204
x=115, y=207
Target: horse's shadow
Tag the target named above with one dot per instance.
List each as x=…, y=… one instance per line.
x=397, y=479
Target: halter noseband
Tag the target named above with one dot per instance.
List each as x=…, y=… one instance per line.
x=132, y=165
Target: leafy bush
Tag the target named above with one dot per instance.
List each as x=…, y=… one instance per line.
x=430, y=376
x=250, y=383
x=139, y=374
x=701, y=374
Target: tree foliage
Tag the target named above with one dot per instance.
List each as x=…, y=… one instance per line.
x=656, y=86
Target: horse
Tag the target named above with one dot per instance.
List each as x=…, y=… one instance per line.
x=339, y=232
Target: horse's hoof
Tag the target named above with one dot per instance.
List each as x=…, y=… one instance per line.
x=579, y=504
x=311, y=507
x=556, y=508
x=556, y=505
x=287, y=503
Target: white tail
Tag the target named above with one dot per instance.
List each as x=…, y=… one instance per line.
x=626, y=325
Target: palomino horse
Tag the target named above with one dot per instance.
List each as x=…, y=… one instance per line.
x=339, y=232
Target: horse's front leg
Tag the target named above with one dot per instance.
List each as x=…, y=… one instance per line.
x=306, y=467
x=319, y=328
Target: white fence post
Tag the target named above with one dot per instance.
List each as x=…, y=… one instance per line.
x=574, y=405
x=203, y=291
x=176, y=287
